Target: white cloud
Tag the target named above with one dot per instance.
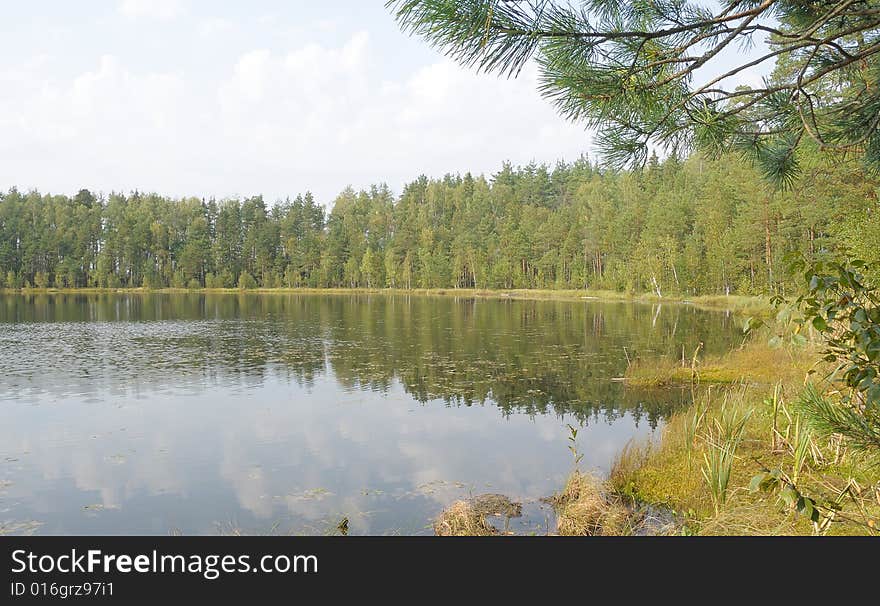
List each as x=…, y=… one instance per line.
x=215, y=26
x=108, y=104
x=101, y=128
x=154, y=9
x=315, y=117
x=320, y=109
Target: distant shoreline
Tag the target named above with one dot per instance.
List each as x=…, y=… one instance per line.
x=742, y=304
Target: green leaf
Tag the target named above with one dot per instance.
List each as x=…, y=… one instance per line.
x=756, y=482
x=789, y=496
x=807, y=507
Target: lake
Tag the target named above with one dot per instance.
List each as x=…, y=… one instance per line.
x=285, y=413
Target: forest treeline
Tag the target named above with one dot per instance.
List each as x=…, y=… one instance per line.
x=689, y=227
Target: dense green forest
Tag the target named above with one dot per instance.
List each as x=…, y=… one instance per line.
x=676, y=227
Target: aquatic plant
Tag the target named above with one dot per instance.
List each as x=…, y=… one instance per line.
x=722, y=440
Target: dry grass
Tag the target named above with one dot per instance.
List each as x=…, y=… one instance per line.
x=586, y=508
x=745, y=516
x=461, y=519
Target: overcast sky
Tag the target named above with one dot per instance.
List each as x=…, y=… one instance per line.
x=230, y=98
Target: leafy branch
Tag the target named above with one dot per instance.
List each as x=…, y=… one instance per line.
x=634, y=70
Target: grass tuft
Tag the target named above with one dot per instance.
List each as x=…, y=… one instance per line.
x=586, y=508
x=461, y=519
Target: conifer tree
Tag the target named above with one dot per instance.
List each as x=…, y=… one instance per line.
x=653, y=73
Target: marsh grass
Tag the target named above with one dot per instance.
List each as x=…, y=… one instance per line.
x=461, y=519
x=716, y=471
x=737, y=430
x=691, y=430
x=586, y=507
x=753, y=363
x=801, y=447
x=722, y=438
x=774, y=403
x=631, y=458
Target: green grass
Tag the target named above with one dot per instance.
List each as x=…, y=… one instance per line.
x=753, y=363
x=722, y=438
x=693, y=471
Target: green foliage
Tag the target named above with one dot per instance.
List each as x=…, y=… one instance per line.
x=246, y=281
x=572, y=445
x=717, y=465
x=776, y=481
x=226, y=279
x=722, y=439
x=178, y=280
x=861, y=427
x=630, y=70
x=152, y=280
x=692, y=227
x=845, y=310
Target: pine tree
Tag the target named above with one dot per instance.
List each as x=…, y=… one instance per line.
x=649, y=74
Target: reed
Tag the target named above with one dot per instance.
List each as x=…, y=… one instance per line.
x=722, y=438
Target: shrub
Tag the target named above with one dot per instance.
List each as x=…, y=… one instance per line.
x=151, y=280
x=844, y=308
x=246, y=281
x=226, y=279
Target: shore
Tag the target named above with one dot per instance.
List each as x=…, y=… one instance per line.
x=744, y=423
x=740, y=304
x=698, y=476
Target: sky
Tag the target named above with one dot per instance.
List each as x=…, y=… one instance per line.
x=227, y=99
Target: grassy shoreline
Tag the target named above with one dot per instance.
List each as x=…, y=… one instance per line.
x=740, y=304
x=744, y=403
x=756, y=390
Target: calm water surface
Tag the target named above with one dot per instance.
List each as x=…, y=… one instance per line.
x=154, y=414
